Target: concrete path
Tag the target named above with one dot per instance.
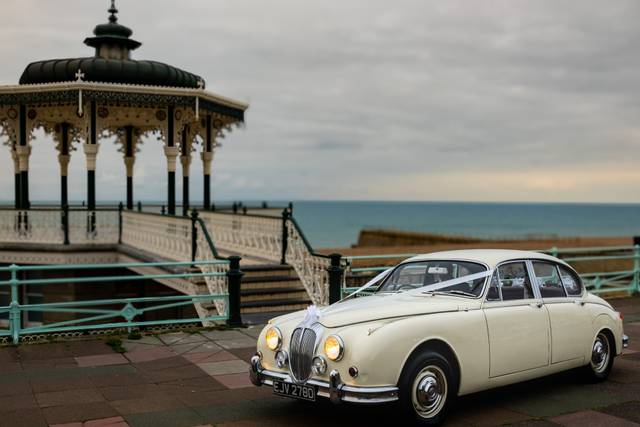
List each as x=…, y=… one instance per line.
x=191, y=379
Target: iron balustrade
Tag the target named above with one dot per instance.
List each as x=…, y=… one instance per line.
x=596, y=282
x=123, y=317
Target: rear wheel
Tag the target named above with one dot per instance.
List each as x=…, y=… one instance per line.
x=427, y=388
x=602, y=355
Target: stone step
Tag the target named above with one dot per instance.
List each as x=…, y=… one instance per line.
x=252, y=295
x=272, y=282
x=251, y=271
x=276, y=305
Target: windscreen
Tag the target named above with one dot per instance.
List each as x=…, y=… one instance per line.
x=435, y=274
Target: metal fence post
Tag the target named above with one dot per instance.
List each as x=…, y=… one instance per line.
x=635, y=286
x=285, y=236
x=65, y=223
x=120, y=208
x=14, y=307
x=234, y=280
x=554, y=252
x=163, y=210
x=336, y=273
x=194, y=235
x=139, y=206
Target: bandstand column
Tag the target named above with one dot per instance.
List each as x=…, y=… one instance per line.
x=63, y=159
x=129, y=160
x=91, y=151
x=185, y=159
x=207, y=158
x=16, y=172
x=23, y=151
x=172, y=155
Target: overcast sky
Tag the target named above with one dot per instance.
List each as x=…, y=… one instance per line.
x=367, y=99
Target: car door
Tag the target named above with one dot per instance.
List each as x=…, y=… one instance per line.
x=517, y=321
x=568, y=316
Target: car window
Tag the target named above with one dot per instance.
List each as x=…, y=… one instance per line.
x=548, y=280
x=571, y=281
x=514, y=281
x=431, y=276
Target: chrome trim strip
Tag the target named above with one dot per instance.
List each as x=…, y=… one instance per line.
x=335, y=390
x=625, y=341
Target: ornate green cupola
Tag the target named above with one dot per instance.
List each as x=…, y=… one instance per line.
x=112, y=40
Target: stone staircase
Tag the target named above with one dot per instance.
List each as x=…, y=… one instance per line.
x=267, y=291
x=272, y=289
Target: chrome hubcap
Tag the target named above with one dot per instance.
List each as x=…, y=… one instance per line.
x=600, y=354
x=429, y=391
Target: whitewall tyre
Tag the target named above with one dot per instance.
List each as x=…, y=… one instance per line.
x=428, y=386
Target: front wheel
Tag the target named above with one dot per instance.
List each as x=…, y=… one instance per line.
x=427, y=388
x=602, y=355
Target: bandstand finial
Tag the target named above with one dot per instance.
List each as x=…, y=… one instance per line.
x=113, y=11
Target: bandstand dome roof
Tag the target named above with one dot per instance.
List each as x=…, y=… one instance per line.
x=111, y=64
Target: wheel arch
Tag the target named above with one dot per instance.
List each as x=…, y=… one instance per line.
x=438, y=345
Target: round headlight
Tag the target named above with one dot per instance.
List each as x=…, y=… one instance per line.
x=273, y=338
x=334, y=347
x=282, y=358
x=319, y=365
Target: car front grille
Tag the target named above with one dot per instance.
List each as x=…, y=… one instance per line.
x=303, y=341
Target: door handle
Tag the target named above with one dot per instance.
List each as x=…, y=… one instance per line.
x=536, y=304
x=580, y=303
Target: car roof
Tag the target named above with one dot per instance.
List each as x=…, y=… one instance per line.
x=490, y=257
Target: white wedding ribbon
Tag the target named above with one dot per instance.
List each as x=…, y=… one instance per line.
x=431, y=288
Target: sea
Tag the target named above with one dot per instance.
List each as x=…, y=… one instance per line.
x=337, y=224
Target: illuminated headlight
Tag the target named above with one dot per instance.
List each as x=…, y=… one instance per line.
x=273, y=338
x=319, y=365
x=334, y=347
x=282, y=358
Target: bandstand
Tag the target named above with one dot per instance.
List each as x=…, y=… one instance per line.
x=82, y=103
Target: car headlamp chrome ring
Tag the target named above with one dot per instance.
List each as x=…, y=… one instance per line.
x=319, y=365
x=282, y=359
x=273, y=338
x=334, y=348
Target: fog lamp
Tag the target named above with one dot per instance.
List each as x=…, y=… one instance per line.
x=319, y=365
x=273, y=338
x=282, y=358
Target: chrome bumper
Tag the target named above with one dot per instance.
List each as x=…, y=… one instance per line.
x=625, y=341
x=335, y=389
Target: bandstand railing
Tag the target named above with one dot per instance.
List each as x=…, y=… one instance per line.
x=111, y=313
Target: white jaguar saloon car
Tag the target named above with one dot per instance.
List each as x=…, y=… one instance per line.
x=438, y=326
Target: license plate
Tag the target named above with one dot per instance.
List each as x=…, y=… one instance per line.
x=296, y=391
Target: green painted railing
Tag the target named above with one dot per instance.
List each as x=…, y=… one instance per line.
x=596, y=282
x=114, y=313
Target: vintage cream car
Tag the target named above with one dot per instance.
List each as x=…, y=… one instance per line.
x=439, y=326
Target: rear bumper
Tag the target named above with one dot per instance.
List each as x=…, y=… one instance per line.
x=335, y=389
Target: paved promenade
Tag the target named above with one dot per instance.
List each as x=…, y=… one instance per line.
x=182, y=379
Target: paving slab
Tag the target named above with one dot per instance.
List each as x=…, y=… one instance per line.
x=592, y=418
x=628, y=411
x=78, y=412
x=17, y=402
x=223, y=335
x=23, y=418
x=76, y=396
x=209, y=357
x=146, y=404
x=150, y=354
x=233, y=381
x=183, y=417
x=226, y=367
x=101, y=360
x=105, y=422
x=244, y=342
